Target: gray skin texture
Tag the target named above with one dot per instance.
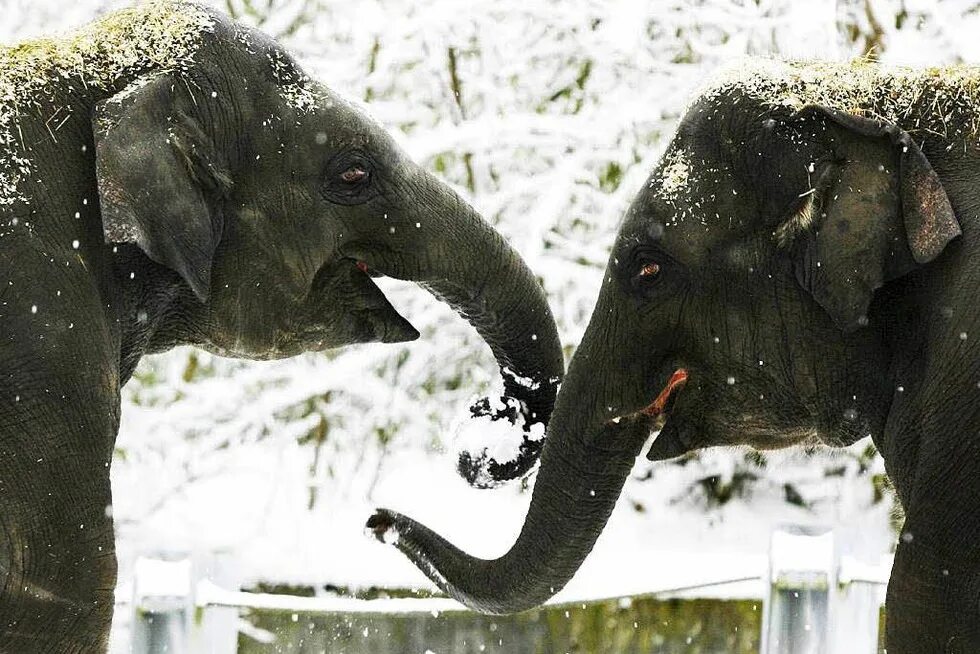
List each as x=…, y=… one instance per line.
x=796, y=324
x=214, y=209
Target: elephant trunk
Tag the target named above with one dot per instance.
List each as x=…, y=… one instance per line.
x=574, y=495
x=467, y=264
x=586, y=459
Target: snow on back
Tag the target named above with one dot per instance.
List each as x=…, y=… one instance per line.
x=155, y=35
x=941, y=101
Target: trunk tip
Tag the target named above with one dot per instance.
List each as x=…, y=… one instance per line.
x=381, y=525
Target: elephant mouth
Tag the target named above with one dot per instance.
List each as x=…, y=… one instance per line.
x=665, y=399
x=381, y=322
x=367, y=270
x=658, y=409
x=667, y=443
x=343, y=306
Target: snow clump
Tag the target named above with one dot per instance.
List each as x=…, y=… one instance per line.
x=497, y=436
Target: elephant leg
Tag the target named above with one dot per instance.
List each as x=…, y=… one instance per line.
x=57, y=557
x=59, y=414
x=933, y=603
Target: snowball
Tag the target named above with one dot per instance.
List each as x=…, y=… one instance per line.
x=493, y=438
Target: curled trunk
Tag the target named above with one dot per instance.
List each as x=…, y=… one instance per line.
x=464, y=262
x=575, y=493
x=510, y=312
x=586, y=459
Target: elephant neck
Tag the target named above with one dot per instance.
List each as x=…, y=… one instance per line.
x=929, y=440
x=152, y=306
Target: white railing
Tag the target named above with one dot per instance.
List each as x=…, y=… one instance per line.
x=818, y=601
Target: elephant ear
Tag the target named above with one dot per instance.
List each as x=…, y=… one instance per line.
x=873, y=214
x=159, y=177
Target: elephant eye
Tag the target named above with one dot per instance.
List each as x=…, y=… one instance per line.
x=353, y=175
x=649, y=270
x=646, y=277
x=351, y=178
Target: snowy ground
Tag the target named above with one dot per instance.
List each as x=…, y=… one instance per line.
x=674, y=537
x=672, y=543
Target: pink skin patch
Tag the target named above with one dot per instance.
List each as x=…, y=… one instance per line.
x=362, y=266
x=677, y=381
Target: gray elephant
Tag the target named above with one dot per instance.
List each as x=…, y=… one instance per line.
x=801, y=267
x=170, y=177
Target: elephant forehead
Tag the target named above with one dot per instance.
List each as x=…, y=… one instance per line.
x=690, y=243
x=340, y=120
x=295, y=87
x=688, y=183
x=688, y=206
x=673, y=175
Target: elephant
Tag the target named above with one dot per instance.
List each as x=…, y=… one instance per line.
x=800, y=268
x=169, y=176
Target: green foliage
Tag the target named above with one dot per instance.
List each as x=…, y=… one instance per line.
x=610, y=177
x=573, y=93
x=638, y=626
x=718, y=490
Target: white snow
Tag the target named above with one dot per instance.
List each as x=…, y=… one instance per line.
x=674, y=176
x=489, y=438
x=801, y=550
x=485, y=437
x=521, y=380
x=259, y=513
x=161, y=578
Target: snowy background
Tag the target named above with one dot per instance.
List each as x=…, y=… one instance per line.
x=548, y=115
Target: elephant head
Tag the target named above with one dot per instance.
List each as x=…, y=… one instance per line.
x=274, y=202
x=744, y=302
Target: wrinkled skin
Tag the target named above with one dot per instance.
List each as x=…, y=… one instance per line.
x=215, y=210
x=795, y=323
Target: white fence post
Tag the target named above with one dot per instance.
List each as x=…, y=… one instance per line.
x=817, y=601
x=861, y=592
x=166, y=615
x=797, y=606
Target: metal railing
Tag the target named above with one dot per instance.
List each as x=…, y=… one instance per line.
x=817, y=601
